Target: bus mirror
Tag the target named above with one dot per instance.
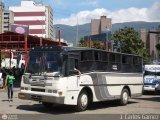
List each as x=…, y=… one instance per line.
x=73, y=72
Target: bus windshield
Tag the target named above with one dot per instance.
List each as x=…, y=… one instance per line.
x=40, y=62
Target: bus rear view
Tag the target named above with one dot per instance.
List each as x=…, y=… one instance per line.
x=151, y=77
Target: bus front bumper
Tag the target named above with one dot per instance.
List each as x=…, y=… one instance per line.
x=149, y=88
x=41, y=98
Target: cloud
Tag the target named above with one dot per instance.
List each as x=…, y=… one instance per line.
x=123, y=15
x=90, y=3
x=154, y=12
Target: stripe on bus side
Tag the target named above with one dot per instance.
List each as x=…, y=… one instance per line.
x=100, y=84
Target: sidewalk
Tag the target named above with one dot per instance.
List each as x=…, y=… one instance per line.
x=15, y=89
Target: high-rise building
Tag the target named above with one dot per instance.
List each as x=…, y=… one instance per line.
x=38, y=17
x=101, y=25
x=144, y=36
x=8, y=19
x=1, y=16
x=153, y=41
x=151, y=38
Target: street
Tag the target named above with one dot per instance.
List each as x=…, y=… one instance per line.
x=147, y=104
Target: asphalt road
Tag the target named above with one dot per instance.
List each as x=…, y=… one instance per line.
x=28, y=110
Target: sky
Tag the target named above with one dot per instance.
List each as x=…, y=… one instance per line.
x=73, y=12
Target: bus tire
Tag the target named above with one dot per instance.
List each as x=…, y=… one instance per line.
x=124, y=97
x=47, y=105
x=82, y=102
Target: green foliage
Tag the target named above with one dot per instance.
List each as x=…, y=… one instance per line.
x=128, y=41
x=97, y=45
x=2, y=56
x=82, y=43
x=158, y=49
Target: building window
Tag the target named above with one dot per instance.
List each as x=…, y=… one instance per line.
x=6, y=26
x=6, y=13
x=6, y=17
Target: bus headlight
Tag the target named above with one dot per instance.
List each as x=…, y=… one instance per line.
x=26, y=79
x=24, y=88
x=52, y=91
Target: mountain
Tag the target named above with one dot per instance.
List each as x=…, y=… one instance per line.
x=69, y=33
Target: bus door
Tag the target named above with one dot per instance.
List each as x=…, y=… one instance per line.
x=73, y=66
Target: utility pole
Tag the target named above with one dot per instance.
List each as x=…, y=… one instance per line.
x=77, y=36
x=59, y=36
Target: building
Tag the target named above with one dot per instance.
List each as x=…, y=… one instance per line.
x=1, y=16
x=101, y=25
x=103, y=39
x=38, y=17
x=100, y=33
x=153, y=41
x=151, y=38
x=8, y=19
x=144, y=36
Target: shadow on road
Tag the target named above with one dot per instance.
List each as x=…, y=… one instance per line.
x=56, y=109
x=106, y=104
x=5, y=100
x=155, y=99
x=64, y=109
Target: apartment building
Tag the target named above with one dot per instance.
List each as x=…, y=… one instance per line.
x=8, y=19
x=38, y=17
x=1, y=16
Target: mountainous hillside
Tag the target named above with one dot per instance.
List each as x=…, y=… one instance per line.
x=69, y=33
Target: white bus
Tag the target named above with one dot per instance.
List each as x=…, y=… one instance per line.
x=151, y=76
x=50, y=76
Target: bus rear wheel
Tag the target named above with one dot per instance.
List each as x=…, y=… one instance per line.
x=82, y=102
x=124, y=97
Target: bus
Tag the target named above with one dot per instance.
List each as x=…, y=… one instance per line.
x=80, y=76
x=151, y=77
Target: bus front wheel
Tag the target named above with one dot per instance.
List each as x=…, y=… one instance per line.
x=82, y=101
x=124, y=97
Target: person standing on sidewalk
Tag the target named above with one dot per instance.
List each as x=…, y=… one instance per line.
x=10, y=84
x=4, y=74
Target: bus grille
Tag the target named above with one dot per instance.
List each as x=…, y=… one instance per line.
x=37, y=90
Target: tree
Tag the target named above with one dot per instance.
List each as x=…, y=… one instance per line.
x=82, y=43
x=158, y=49
x=128, y=41
x=98, y=45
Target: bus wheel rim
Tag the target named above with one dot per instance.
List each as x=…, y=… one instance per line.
x=125, y=96
x=84, y=100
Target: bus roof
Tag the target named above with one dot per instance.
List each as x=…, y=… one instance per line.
x=66, y=48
